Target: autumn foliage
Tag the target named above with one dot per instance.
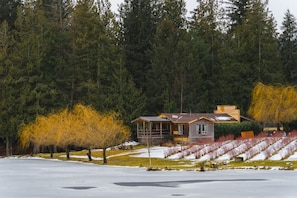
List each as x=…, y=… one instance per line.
x=83, y=127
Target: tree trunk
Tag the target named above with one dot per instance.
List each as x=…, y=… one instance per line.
x=8, y=148
x=90, y=154
x=36, y=149
x=43, y=148
x=278, y=127
x=72, y=94
x=67, y=152
x=51, y=148
x=104, y=156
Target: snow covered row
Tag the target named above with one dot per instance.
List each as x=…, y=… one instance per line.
x=273, y=148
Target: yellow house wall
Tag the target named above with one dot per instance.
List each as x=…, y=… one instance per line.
x=229, y=109
x=181, y=139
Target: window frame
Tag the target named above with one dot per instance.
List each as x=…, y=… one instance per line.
x=181, y=129
x=201, y=129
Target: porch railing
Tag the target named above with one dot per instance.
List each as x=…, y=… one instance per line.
x=153, y=133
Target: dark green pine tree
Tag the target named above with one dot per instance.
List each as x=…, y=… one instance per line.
x=161, y=78
x=99, y=75
x=9, y=91
x=206, y=24
x=236, y=11
x=57, y=11
x=123, y=96
x=167, y=78
x=254, y=55
x=288, y=47
x=56, y=65
x=139, y=19
x=260, y=41
x=197, y=89
x=86, y=66
x=29, y=55
x=120, y=92
x=8, y=11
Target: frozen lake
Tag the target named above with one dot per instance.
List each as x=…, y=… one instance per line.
x=40, y=178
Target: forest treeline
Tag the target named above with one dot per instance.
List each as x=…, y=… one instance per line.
x=150, y=57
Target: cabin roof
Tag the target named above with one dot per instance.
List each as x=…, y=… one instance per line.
x=180, y=118
x=151, y=119
x=192, y=117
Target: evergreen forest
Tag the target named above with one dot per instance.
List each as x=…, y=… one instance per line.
x=149, y=57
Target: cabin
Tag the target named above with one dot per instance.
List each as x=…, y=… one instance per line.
x=184, y=127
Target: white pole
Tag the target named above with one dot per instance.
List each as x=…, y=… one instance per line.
x=148, y=147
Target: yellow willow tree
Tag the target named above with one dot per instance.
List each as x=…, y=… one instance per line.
x=43, y=135
x=273, y=104
x=111, y=132
x=99, y=130
x=58, y=129
x=51, y=131
x=41, y=132
x=67, y=130
x=83, y=127
x=26, y=134
x=87, y=129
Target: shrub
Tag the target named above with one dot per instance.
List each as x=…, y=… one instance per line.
x=235, y=129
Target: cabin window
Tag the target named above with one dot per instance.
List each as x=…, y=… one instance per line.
x=156, y=126
x=165, y=126
x=201, y=129
x=181, y=129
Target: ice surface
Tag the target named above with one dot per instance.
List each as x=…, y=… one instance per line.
x=27, y=178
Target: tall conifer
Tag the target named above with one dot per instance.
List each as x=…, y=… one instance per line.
x=288, y=47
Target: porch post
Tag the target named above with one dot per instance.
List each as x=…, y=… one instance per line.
x=150, y=130
x=137, y=129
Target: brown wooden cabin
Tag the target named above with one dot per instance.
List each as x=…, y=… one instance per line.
x=181, y=127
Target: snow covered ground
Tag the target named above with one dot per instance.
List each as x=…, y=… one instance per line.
x=28, y=178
